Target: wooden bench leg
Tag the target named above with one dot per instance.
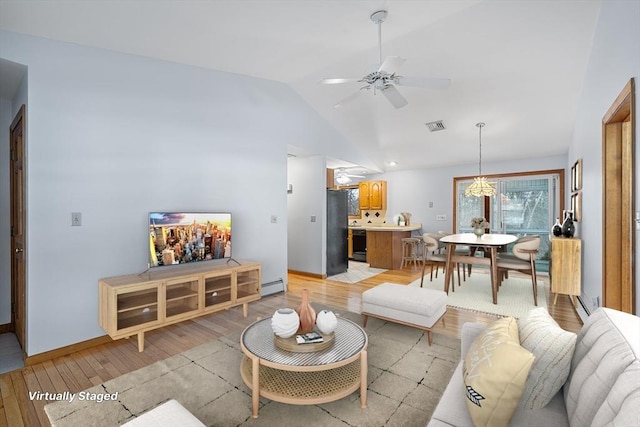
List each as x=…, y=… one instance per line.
x=364, y=322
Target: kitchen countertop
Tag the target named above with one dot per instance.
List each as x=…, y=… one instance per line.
x=387, y=227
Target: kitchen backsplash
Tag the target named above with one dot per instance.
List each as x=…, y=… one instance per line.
x=371, y=217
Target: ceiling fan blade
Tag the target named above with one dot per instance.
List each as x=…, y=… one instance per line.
x=394, y=97
x=424, y=82
x=391, y=64
x=349, y=99
x=337, y=81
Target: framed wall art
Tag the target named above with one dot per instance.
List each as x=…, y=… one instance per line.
x=576, y=176
x=576, y=206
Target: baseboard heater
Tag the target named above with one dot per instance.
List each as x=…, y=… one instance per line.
x=273, y=287
x=583, y=311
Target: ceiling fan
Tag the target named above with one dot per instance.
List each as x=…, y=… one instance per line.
x=383, y=76
x=342, y=177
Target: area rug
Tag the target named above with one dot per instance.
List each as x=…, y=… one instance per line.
x=356, y=272
x=515, y=297
x=405, y=382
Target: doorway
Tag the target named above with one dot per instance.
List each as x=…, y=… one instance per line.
x=618, y=205
x=18, y=229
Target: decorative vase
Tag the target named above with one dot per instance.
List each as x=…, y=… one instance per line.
x=285, y=322
x=326, y=321
x=407, y=218
x=478, y=232
x=568, y=228
x=557, y=228
x=306, y=313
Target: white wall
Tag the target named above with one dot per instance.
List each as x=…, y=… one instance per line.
x=306, y=240
x=8, y=109
x=411, y=191
x=5, y=214
x=115, y=136
x=614, y=60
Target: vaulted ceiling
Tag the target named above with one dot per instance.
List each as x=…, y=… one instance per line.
x=516, y=65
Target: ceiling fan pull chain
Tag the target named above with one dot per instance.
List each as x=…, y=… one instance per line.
x=380, y=42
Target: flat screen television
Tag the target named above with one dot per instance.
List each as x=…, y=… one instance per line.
x=186, y=237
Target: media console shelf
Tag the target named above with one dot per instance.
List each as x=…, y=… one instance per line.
x=136, y=303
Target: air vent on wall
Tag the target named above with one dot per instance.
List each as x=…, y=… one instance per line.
x=436, y=126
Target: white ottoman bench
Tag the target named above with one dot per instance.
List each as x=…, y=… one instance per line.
x=412, y=306
x=169, y=414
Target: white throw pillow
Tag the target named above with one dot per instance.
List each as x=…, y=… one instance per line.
x=553, y=348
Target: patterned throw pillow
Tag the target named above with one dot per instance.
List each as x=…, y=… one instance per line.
x=553, y=348
x=494, y=372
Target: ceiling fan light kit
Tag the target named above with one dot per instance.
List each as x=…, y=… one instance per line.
x=383, y=77
x=342, y=177
x=480, y=187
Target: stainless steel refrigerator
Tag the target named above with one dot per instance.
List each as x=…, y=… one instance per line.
x=337, y=232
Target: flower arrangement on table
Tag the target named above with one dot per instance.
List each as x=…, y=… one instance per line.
x=479, y=222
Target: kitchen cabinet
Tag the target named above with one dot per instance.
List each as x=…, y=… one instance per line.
x=384, y=244
x=373, y=195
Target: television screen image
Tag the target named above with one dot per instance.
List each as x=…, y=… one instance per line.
x=180, y=238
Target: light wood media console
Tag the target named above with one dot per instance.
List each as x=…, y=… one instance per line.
x=136, y=303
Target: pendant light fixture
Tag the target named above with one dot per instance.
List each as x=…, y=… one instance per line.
x=480, y=186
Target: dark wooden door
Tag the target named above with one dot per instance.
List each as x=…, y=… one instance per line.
x=17, y=199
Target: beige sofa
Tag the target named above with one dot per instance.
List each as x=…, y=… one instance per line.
x=603, y=387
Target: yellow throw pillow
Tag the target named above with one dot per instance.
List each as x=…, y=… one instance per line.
x=494, y=372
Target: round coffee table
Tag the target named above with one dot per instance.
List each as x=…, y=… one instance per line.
x=304, y=378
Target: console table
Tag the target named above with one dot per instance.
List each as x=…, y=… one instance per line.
x=136, y=303
x=565, y=271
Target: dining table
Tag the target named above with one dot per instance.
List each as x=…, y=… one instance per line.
x=492, y=241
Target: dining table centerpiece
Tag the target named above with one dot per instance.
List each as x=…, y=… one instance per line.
x=479, y=224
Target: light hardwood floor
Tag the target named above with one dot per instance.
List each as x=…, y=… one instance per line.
x=83, y=369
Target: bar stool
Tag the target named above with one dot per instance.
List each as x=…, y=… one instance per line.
x=410, y=251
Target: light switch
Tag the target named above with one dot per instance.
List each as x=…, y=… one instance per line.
x=76, y=219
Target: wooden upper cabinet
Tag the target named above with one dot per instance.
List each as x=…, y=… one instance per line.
x=373, y=195
x=363, y=190
x=378, y=195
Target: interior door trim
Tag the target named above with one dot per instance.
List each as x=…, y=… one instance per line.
x=618, y=203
